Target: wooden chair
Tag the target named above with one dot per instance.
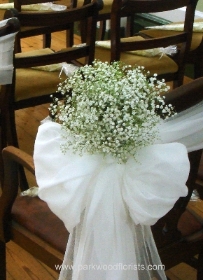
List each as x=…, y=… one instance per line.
x=28, y=221
x=179, y=234
x=195, y=54
x=33, y=86
x=105, y=15
x=9, y=27
x=29, y=31
x=170, y=68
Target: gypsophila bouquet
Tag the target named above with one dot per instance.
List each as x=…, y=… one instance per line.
x=112, y=109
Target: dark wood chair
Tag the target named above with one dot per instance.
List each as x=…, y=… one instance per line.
x=41, y=233
x=11, y=27
x=33, y=86
x=170, y=68
x=195, y=54
x=105, y=15
x=179, y=234
x=29, y=222
x=29, y=31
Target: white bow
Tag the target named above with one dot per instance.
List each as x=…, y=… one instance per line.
x=105, y=205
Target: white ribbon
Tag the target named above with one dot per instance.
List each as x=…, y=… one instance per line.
x=108, y=207
x=68, y=69
x=6, y=56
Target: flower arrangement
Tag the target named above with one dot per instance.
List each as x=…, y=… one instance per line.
x=112, y=109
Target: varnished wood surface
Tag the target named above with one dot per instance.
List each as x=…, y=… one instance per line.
x=20, y=264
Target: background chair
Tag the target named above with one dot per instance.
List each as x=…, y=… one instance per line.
x=29, y=31
x=104, y=16
x=179, y=234
x=195, y=54
x=8, y=31
x=170, y=68
x=34, y=86
x=29, y=222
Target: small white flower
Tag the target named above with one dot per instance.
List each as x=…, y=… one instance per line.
x=110, y=109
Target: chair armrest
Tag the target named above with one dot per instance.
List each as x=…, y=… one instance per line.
x=12, y=157
x=14, y=154
x=187, y=95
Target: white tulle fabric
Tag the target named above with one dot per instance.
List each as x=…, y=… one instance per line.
x=108, y=207
x=6, y=56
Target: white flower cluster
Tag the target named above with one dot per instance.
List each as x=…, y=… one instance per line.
x=110, y=109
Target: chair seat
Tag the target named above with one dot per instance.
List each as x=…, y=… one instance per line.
x=32, y=83
x=34, y=214
x=153, y=64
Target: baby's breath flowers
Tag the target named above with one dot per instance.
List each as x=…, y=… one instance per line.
x=111, y=109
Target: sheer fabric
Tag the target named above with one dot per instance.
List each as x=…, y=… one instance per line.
x=6, y=56
x=108, y=207
x=186, y=128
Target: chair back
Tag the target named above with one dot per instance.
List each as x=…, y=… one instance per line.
x=122, y=8
x=44, y=85
x=87, y=13
x=38, y=6
x=171, y=245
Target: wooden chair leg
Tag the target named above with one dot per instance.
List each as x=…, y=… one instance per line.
x=102, y=30
x=83, y=29
x=3, y=128
x=70, y=36
x=1, y=161
x=198, y=68
x=47, y=40
x=2, y=260
x=12, y=139
x=130, y=26
x=17, y=45
x=200, y=266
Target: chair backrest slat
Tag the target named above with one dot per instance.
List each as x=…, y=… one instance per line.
x=154, y=6
x=187, y=95
x=53, y=18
